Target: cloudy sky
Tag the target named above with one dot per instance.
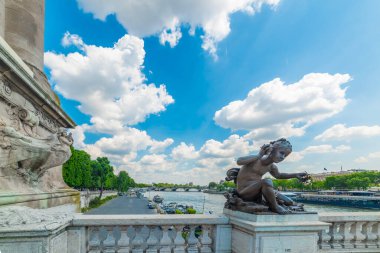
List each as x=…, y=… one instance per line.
x=175, y=91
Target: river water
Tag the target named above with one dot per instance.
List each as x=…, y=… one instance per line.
x=204, y=202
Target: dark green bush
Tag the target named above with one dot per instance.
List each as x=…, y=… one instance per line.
x=96, y=202
x=191, y=211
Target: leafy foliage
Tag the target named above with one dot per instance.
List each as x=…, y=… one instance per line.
x=191, y=211
x=222, y=186
x=358, y=180
x=80, y=172
x=96, y=202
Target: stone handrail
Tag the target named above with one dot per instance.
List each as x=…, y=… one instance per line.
x=350, y=232
x=149, y=233
x=58, y=230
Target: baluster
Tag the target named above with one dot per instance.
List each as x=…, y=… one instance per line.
x=94, y=242
x=348, y=236
x=179, y=242
x=205, y=239
x=109, y=243
x=123, y=242
x=337, y=235
x=166, y=242
x=138, y=241
x=359, y=236
x=325, y=238
x=377, y=233
x=192, y=241
x=370, y=232
x=152, y=240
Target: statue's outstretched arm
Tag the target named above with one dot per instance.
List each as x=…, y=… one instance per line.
x=276, y=174
x=247, y=159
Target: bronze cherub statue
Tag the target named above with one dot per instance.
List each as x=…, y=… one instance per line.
x=255, y=194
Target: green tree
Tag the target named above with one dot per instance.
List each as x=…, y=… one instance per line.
x=228, y=184
x=212, y=185
x=318, y=185
x=123, y=181
x=77, y=170
x=102, y=171
x=281, y=184
x=336, y=182
x=359, y=183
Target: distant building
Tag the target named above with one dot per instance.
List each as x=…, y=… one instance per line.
x=322, y=176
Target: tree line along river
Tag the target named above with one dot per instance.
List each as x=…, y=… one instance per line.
x=206, y=203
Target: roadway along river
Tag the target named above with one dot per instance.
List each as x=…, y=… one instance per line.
x=123, y=205
x=215, y=202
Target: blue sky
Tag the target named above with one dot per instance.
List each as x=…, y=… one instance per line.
x=161, y=87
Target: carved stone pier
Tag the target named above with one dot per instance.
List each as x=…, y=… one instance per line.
x=33, y=140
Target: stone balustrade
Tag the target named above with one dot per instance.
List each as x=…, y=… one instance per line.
x=58, y=230
x=350, y=232
x=149, y=233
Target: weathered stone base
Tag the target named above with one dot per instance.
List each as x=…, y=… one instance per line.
x=27, y=230
x=55, y=242
x=42, y=200
x=274, y=233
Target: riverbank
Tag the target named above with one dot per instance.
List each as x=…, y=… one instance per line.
x=213, y=192
x=124, y=205
x=340, y=200
x=214, y=203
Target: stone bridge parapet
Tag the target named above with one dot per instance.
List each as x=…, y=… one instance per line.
x=55, y=231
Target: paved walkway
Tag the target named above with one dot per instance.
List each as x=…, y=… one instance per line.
x=124, y=205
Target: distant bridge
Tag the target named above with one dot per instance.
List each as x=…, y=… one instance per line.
x=183, y=189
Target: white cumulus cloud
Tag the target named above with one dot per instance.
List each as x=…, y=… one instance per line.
x=341, y=132
x=127, y=141
x=184, y=152
x=275, y=109
x=185, y=163
x=318, y=149
x=229, y=148
x=369, y=157
x=108, y=82
x=165, y=17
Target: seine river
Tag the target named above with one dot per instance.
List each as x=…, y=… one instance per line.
x=204, y=202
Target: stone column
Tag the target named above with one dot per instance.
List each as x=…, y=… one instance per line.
x=24, y=32
x=24, y=29
x=2, y=18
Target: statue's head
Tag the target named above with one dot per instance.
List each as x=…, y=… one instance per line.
x=277, y=150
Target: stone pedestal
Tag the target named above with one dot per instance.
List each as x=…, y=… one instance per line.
x=294, y=233
x=28, y=230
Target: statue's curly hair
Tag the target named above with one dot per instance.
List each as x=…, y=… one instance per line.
x=283, y=143
x=280, y=143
